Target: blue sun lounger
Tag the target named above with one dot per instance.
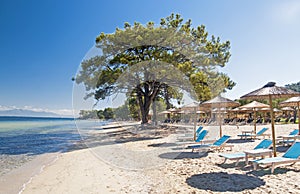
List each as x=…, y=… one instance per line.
x=264, y=144
x=253, y=136
x=200, y=137
x=191, y=136
x=291, y=156
x=289, y=139
x=294, y=132
x=198, y=130
x=218, y=144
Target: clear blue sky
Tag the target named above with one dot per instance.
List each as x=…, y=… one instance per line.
x=43, y=42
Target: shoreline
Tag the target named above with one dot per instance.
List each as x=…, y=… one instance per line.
x=84, y=170
x=22, y=176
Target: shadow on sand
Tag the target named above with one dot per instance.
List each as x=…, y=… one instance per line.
x=224, y=182
x=183, y=155
x=231, y=164
x=240, y=140
x=162, y=145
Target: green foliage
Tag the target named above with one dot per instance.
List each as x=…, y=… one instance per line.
x=100, y=114
x=134, y=108
x=150, y=61
x=127, y=111
x=108, y=113
x=88, y=114
x=294, y=86
x=122, y=112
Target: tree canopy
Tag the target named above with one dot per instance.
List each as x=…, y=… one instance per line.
x=294, y=86
x=107, y=113
x=149, y=61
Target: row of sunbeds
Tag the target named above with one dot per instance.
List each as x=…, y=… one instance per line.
x=262, y=149
x=291, y=156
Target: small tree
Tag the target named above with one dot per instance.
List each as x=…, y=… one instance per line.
x=108, y=113
x=294, y=86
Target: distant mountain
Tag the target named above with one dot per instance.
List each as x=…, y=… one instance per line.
x=29, y=113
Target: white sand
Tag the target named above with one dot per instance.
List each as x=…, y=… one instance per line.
x=154, y=169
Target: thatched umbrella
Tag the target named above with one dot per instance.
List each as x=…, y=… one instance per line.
x=270, y=91
x=219, y=102
x=264, y=110
x=173, y=110
x=287, y=109
x=238, y=110
x=268, y=110
x=192, y=106
x=254, y=106
x=294, y=101
x=164, y=112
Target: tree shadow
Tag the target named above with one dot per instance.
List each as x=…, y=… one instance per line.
x=183, y=155
x=162, y=145
x=282, y=149
x=224, y=182
x=232, y=163
x=119, y=137
x=240, y=140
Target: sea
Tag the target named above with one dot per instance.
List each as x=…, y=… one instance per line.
x=24, y=138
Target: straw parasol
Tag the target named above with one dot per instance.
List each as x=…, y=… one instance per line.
x=192, y=106
x=173, y=110
x=219, y=102
x=294, y=101
x=184, y=112
x=164, y=112
x=270, y=91
x=287, y=109
x=268, y=110
x=219, y=110
x=254, y=106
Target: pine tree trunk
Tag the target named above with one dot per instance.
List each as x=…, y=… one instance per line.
x=145, y=99
x=154, y=113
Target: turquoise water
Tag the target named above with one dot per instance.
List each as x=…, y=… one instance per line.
x=33, y=136
x=22, y=139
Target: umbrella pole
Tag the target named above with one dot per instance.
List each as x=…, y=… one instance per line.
x=272, y=125
x=220, y=122
x=254, y=121
x=298, y=103
x=195, y=123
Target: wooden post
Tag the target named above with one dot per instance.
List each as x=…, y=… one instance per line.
x=272, y=126
x=254, y=121
x=195, y=122
x=298, y=103
x=220, y=121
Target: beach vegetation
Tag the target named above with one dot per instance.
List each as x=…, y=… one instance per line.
x=107, y=113
x=294, y=86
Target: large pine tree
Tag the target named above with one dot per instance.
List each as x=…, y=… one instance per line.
x=150, y=61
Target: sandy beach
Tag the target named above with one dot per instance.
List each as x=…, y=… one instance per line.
x=152, y=162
